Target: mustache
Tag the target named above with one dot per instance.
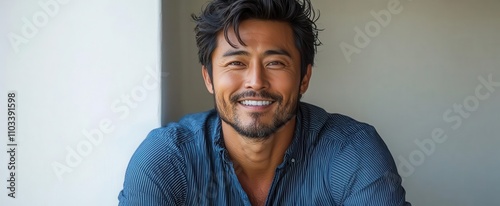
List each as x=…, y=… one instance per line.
x=262, y=94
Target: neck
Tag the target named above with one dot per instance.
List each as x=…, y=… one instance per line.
x=257, y=159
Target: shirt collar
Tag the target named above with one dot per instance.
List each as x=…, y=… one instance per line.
x=219, y=145
x=295, y=151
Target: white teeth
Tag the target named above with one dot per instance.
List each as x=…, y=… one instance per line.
x=255, y=103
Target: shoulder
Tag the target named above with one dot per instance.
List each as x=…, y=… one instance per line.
x=354, y=136
x=166, y=143
x=169, y=142
x=333, y=126
x=360, y=163
x=156, y=172
x=172, y=136
x=353, y=144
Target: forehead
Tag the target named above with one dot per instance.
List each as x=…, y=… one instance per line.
x=258, y=34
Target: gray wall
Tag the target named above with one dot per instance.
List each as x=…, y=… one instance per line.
x=87, y=94
x=418, y=77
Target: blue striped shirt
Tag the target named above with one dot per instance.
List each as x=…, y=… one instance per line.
x=332, y=160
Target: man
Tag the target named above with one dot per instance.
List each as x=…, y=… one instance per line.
x=261, y=145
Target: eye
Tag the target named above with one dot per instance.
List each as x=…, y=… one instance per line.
x=235, y=63
x=275, y=64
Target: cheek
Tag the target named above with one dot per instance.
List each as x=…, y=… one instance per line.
x=288, y=86
x=225, y=85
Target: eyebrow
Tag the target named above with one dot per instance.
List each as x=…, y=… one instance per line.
x=277, y=52
x=236, y=53
x=267, y=53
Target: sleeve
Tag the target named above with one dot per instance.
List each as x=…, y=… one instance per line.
x=155, y=174
x=372, y=177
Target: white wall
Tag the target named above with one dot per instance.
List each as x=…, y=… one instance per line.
x=409, y=81
x=80, y=68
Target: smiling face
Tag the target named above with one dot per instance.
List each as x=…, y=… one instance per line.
x=256, y=87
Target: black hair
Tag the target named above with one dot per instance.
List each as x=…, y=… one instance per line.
x=220, y=15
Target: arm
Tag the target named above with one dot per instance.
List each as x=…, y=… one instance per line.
x=155, y=174
x=373, y=178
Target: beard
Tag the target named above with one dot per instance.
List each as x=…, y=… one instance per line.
x=256, y=128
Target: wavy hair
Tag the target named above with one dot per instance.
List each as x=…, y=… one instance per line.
x=221, y=15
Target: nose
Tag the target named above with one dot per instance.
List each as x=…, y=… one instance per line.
x=256, y=77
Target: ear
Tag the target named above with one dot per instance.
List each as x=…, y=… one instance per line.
x=305, y=81
x=206, y=78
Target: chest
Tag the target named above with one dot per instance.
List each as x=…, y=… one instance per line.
x=303, y=182
x=257, y=192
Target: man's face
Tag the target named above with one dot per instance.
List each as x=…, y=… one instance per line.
x=256, y=87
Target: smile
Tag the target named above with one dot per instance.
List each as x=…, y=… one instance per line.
x=255, y=103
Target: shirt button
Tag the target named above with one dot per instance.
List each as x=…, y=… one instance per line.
x=293, y=160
